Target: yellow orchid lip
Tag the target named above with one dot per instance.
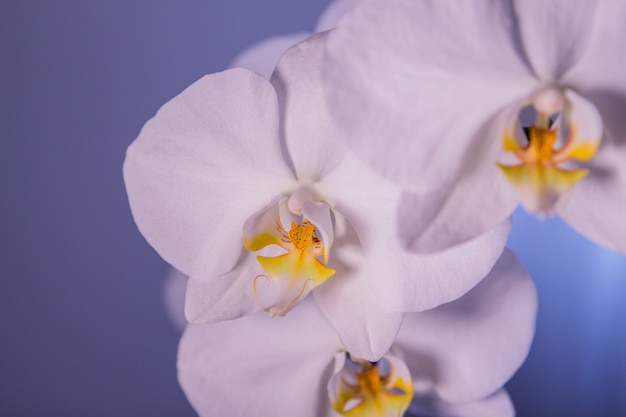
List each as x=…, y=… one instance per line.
x=540, y=177
x=292, y=274
x=362, y=389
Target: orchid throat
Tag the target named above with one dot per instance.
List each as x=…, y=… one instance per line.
x=296, y=237
x=566, y=132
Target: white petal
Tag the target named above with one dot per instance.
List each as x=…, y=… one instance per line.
x=263, y=56
x=555, y=33
x=601, y=66
x=335, y=11
x=392, y=71
x=215, y=297
x=213, y=145
x=320, y=215
x=596, y=206
x=406, y=281
x=259, y=366
x=496, y=405
x=599, y=75
x=470, y=347
x=365, y=328
x=399, y=279
x=480, y=200
x=174, y=288
x=310, y=134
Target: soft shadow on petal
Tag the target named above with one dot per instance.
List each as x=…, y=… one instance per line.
x=310, y=134
x=555, y=33
x=496, y=405
x=365, y=328
x=601, y=68
x=392, y=68
x=481, y=198
x=260, y=366
x=211, y=298
x=470, y=347
x=596, y=206
x=215, y=142
x=406, y=281
x=612, y=106
x=402, y=280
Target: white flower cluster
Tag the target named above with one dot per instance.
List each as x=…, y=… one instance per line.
x=341, y=213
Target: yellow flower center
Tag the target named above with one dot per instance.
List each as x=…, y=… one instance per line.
x=540, y=176
x=291, y=275
x=301, y=235
x=367, y=393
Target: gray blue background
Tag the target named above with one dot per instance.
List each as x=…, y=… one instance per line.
x=83, y=330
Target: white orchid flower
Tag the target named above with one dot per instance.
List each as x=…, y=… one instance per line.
x=243, y=186
x=476, y=106
x=450, y=361
x=262, y=58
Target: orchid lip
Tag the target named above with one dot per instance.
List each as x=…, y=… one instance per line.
x=361, y=388
x=295, y=232
x=566, y=131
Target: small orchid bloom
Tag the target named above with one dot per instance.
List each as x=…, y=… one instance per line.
x=449, y=361
x=488, y=103
x=242, y=185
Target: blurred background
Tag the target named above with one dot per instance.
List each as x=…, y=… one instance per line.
x=83, y=327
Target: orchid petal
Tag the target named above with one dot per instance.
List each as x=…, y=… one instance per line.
x=211, y=298
x=259, y=366
x=413, y=282
x=215, y=142
x=585, y=130
x=599, y=74
x=601, y=67
x=365, y=328
x=595, y=207
x=478, y=202
x=310, y=134
x=470, y=347
x=555, y=34
x=263, y=56
x=335, y=11
x=398, y=279
x=320, y=215
x=392, y=85
x=496, y=405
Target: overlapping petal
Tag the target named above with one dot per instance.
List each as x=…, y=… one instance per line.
x=259, y=366
x=400, y=280
x=554, y=34
x=190, y=162
x=214, y=297
x=365, y=328
x=596, y=206
x=476, y=203
x=391, y=73
x=599, y=74
x=263, y=56
x=310, y=134
x=470, y=347
x=600, y=66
